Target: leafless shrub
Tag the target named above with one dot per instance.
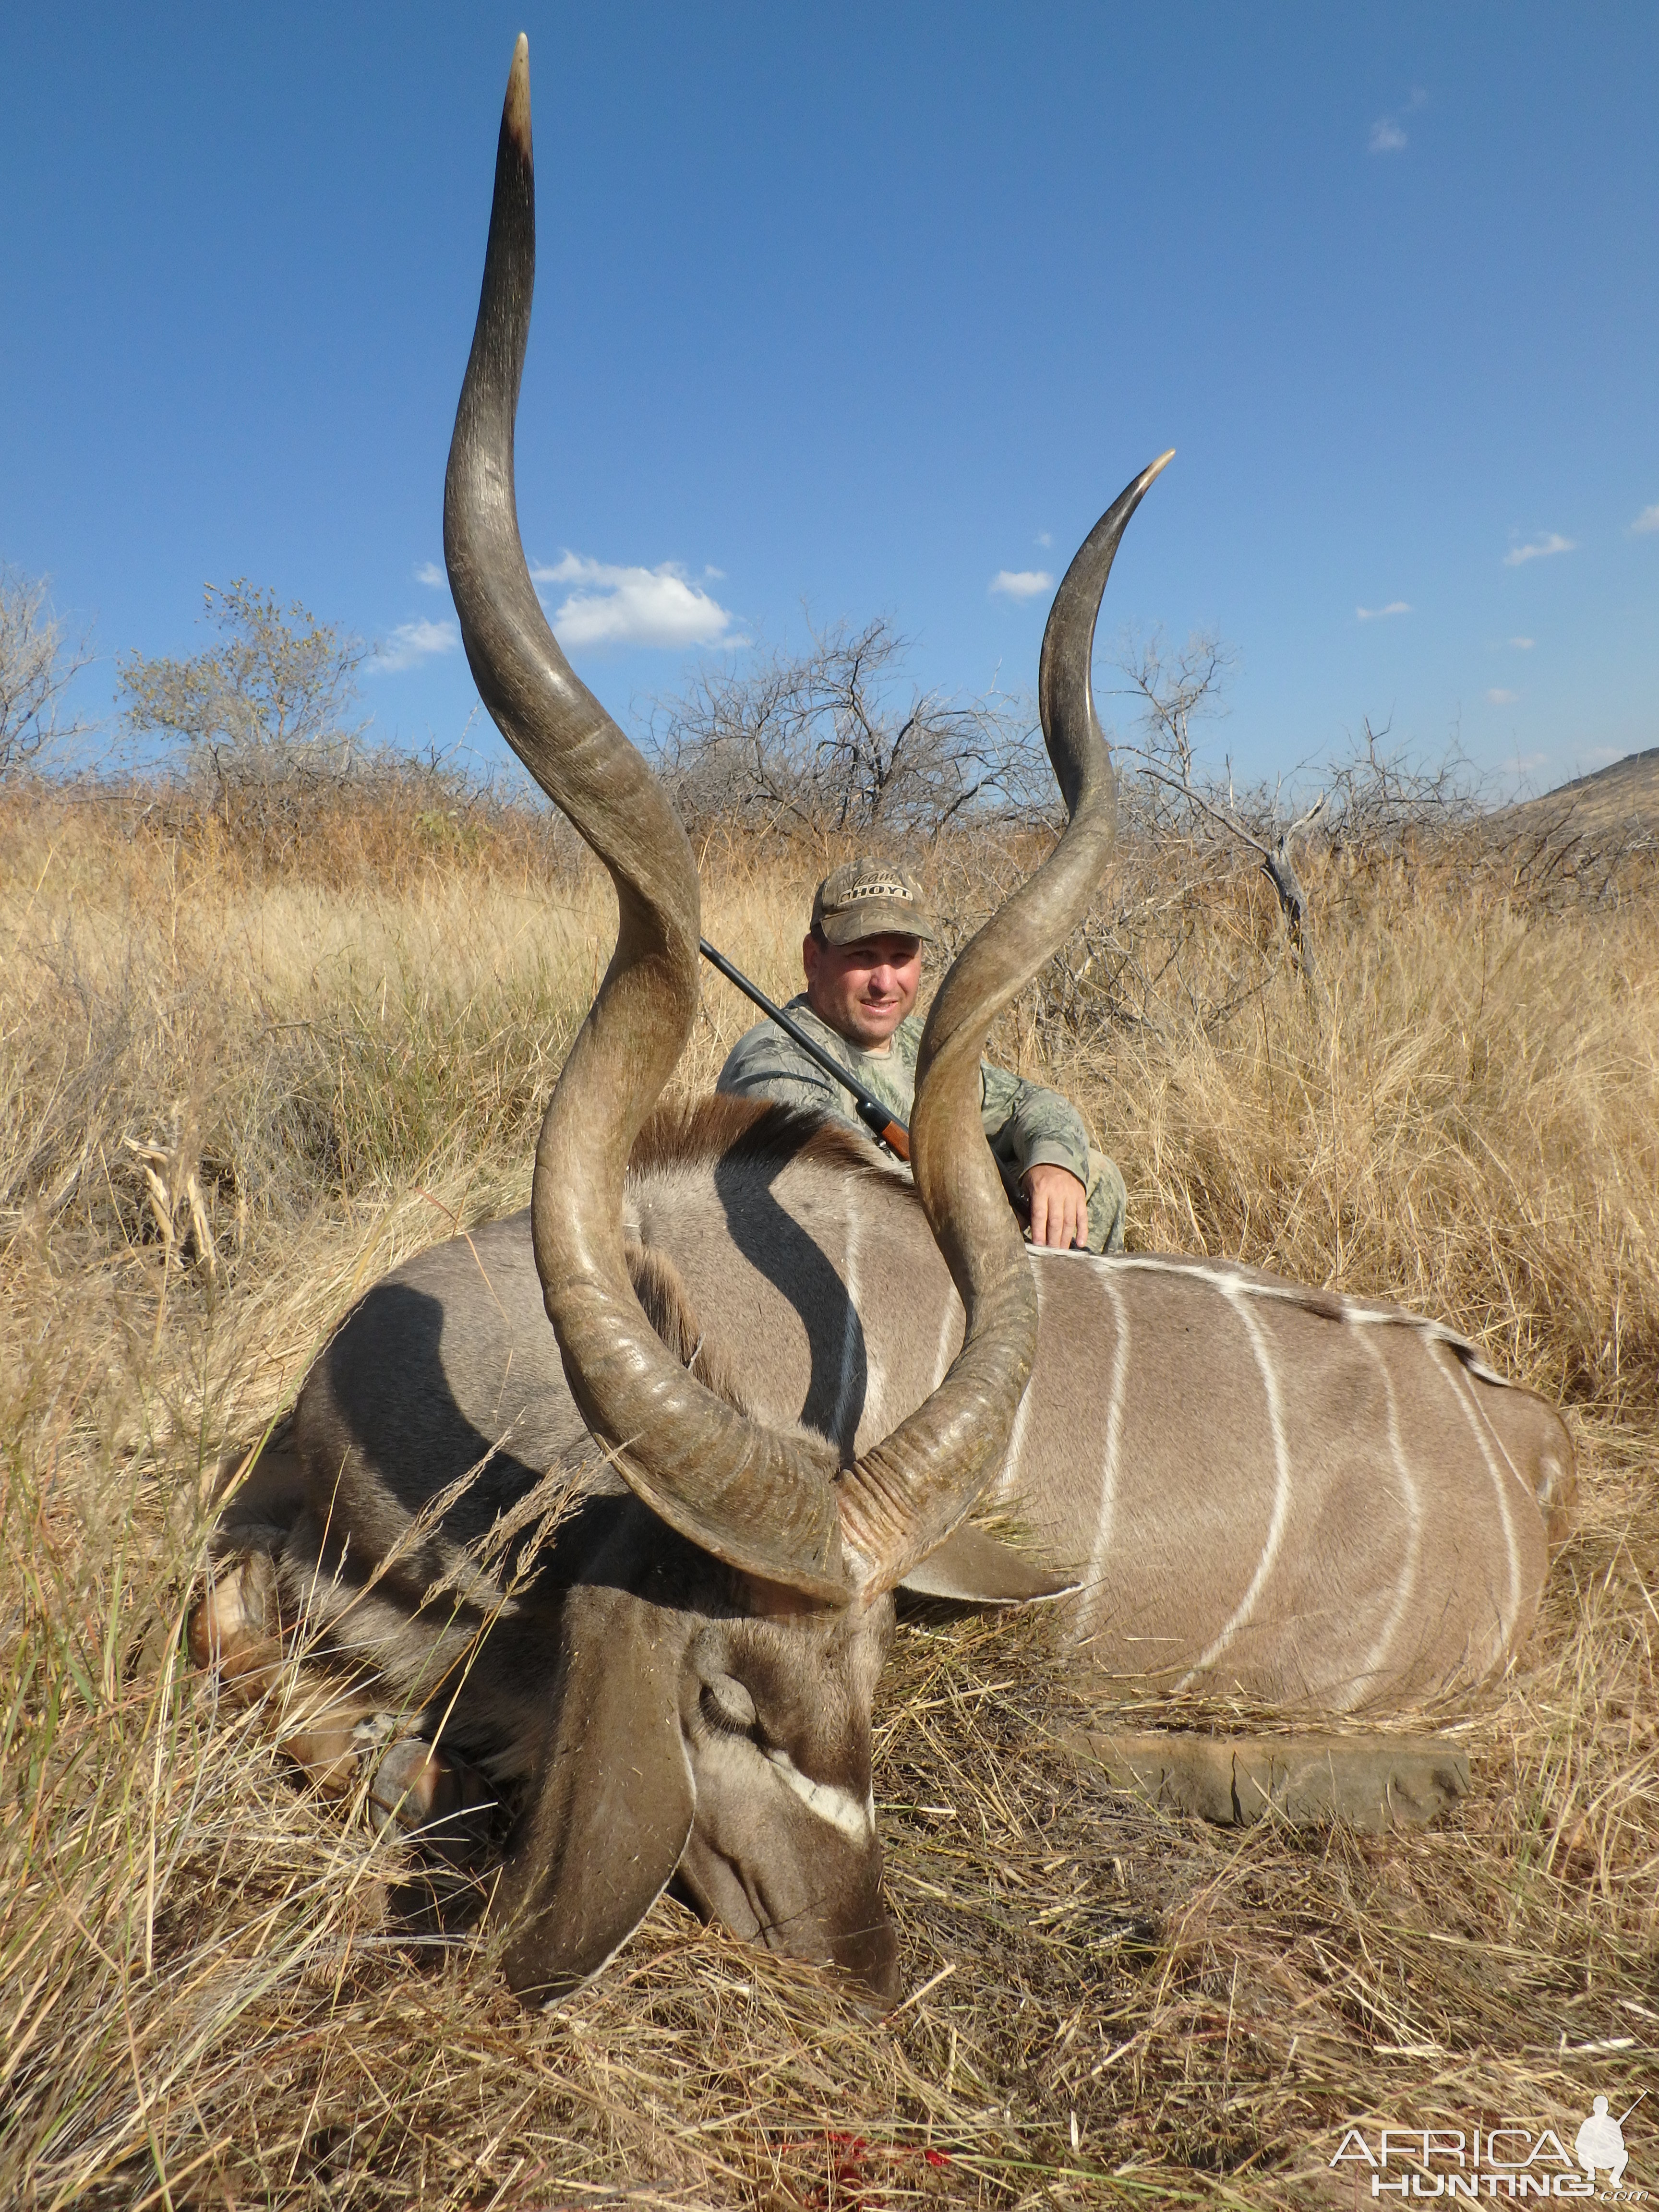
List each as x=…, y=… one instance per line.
x=1382, y=799
x=39, y=662
x=832, y=745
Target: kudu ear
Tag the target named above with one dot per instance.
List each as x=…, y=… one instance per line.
x=612, y=1804
x=972, y=1568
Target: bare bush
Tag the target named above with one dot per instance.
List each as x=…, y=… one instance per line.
x=38, y=662
x=1170, y=802
x=1382, y=798
x=832, y=743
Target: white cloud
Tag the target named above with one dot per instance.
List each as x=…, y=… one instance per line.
x=1523, y=644
x=1045, y=537
x=1380, y=614
x=1388, y=136
x=1604, y=754
x=430, y=572
x=410, y=643
x=1021, y=583
x=1540, y=548
x=633, y=606
x=1503, y=698
x=1648, y=520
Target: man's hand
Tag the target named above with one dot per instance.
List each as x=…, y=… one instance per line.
x=1060, y=1206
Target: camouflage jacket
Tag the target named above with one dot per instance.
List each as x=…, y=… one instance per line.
x=1026, y=1126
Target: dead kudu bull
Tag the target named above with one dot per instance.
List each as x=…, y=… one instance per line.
x=639, y=1567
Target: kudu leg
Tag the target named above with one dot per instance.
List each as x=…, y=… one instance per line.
x=235, y=1627
x=1373, y=1783
x=325, y=1724
x=439, y=1801
x=329, y=1727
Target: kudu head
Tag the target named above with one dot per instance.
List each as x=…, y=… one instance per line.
x=710, y=1712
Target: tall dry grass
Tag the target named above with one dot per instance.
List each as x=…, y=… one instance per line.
x=236, y=1087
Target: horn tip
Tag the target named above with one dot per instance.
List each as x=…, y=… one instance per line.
x=1159, y=466
x=516, y=111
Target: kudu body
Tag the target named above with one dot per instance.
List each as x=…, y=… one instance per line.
x=1323, y=1503
x=778, y=1376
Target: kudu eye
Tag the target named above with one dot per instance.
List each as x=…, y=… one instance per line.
x=726, y=1704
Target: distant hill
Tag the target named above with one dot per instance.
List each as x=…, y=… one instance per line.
x=1621, y=798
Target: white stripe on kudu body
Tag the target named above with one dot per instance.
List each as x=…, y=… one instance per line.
x=1375, y=1661
x=1262, y=1488
x=852, y=1333
x=1003, y=1486
x=1280, y=1521
x=1105, y=1520
x=1477, y=1429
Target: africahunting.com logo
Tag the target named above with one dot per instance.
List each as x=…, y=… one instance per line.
x=1512, y=2160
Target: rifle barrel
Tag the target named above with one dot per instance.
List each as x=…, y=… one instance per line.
x=876, y=1117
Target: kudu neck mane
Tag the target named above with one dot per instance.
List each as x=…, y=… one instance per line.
x=747, y=1134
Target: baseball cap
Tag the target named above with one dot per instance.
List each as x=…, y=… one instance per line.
x=870, y=897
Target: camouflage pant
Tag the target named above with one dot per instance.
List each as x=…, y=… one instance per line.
x=1107, y=1199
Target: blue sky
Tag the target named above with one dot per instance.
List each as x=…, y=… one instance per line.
x=862, y=310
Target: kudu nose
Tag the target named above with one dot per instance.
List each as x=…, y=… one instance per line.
x=869, y=1957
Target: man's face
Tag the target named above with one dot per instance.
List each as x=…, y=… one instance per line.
x=865, y=989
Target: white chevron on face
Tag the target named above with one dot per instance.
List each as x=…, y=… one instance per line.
x=854, y=1818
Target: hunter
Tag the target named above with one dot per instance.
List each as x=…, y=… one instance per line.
x=863, y=960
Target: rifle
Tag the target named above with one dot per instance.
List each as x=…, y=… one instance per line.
x=888, y=1129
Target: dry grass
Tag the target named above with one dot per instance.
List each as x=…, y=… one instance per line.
x=234, y=1089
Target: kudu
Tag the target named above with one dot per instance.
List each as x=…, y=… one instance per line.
x=680, y=1673
x=779, y=1374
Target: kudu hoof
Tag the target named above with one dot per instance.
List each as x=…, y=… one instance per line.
x=234, y=1625
x=1374, y=1783
x=435, y=1800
